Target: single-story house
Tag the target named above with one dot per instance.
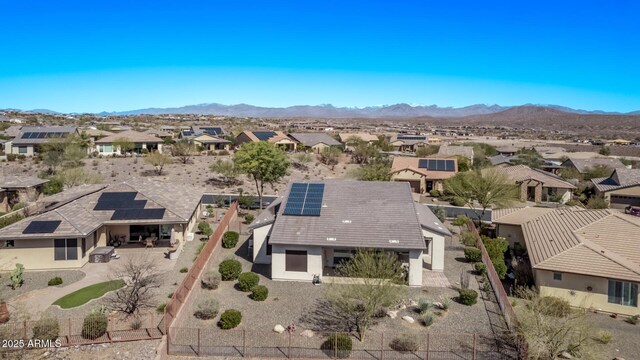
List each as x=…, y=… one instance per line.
x=315, y=226
x=16, y=189
x=409, y=143
x=275, y=137
x=500, y=160
x=208, y=130
x=620, y=189
x=507, y=150
x=591, y=258
x=12, y=131
x=583, y=165
x=94, y=135
x=346, y=137
x=159, y=133
x=134, y=213
x=141, y=142
x=30, y=138
x=315, y=141
x=209, y=142
x=449, y=151
x=538, y=185
x=423, y=175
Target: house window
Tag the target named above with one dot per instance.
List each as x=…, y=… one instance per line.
x=65, y=249
x=84, y=247
x=623, y=293
x=9, y=243
x=557, y=276
x=427, y=242
x=22, y=149
x=295, y=260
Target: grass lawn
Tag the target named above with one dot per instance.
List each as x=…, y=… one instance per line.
x=88, y=293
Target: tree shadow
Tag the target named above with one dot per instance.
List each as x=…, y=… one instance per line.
x=325, y=318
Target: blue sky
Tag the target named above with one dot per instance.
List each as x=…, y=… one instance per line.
x=91, y=56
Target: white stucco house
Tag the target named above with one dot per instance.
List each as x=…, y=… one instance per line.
x=314, y=226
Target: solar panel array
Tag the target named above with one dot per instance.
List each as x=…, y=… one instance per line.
x=138, y=214
x=42, y=227
x=264, y=135
x=437, y=164
x=304, y=199
x=212, y=130
x=43, y=135
x=187, y=133
x=126, y=207
x=411, y=137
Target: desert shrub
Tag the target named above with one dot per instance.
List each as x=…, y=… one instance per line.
x=46, y=329
x=426, y=319
x=12, y=157
x=404, y=343
x=424, y=305
x=207, y=309
x=435, y=193
x=210, y=280
x=604, y=337
x=249, y=218
x=468, y=296
x=259, y=293
x=380, y=312
x=229, y=269
x=94, y=326
x=230, y=319
x=460, y=220
x=633, y=320
x=160, y=308
x=338, y=343
x=247, y=280
x=480, y=267
x=136, y=324
x=184, y=270
x=17, y=276
x=554, y=306
x=457, y=201
x=467, y=238
x=205, y=228
x=54, y=186
x=18, y=206
x=496, y=249
x=223, y=153
x=230, y=239
x=55, y=281
x=472, y=254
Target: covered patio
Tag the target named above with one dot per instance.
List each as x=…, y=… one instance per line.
x=143, y=235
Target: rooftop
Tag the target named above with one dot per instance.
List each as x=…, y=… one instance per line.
x=312, y=139
x=620, y=178
x=520, y=173
x=19, y=181
x=401, y=163
x=41, y=134
x=132, y=135
x=582, y=165
x=466, y=151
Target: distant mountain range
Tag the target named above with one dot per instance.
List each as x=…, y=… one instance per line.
x=329, y=111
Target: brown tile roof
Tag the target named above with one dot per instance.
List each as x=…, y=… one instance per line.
x=582, y=165
x=520, y=173
x=621, y=178
x=19, y=181
x=401, y=163
x=517, y=216
x=344, y=137
x=134, y=136
x=466, y=151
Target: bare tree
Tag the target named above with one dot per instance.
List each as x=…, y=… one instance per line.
x=142, y=276
x=158, y=160
x=330, y=156
x=183, y=150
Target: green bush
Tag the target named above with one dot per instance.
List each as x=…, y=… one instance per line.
x=135, y=324
x=17, y=276
x=46, y=329
x=55, y=281
x=554, y=306
x=426, y=319
x=461, y=220
x=230, y=269
x=468, y=296
x=247, y=280
x=496, y=249
x=472, y=254
x=633, y=320
x=457, y=201
x=259, y=293
x=424, y=305
x=94, y=326
x=404, y=343
x=54, y=186
x=12, y=157
x=8, y=220
x=210, y=280
x=184, y=270
x=230, y=319
x=230, y=239
x=249, y=218
x=205, y=228
x=480, y=267
x=160, y=308
x=340, y=344
x=435, y=193
x=604, y=337
x=467, y=238
x=207, y=309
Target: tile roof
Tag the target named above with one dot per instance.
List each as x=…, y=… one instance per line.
x=19, y=181
x=13, y=130
x=499, y=159
x=466, y=151
x=401, y=163
x=312, y=139
x=96, y=132
x=582, y=165
x=344, y=137
x=520, y=173
x=517, y=216
x=429, y=221
x=134, y=136
x=354, y=214
x=20, y=140
x=621, y=178
x=208, y=139
x=158, y=133
x=267, y=216
x=279, y=136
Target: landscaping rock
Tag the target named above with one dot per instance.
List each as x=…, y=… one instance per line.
x=565, y=355
x=408, y=319
x=413, y=302
x=402, y=307
x=278, y=328
x=307, y=333
x=392, y=314
x=438, y=305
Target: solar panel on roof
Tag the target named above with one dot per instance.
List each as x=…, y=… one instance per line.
x=264, y=135
x=304, y=199
x=411, y=137
x=212, y=130
x=138, y=214
x=42, y=227
x=116, y=205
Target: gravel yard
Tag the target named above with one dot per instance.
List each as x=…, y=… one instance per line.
x=34, y=280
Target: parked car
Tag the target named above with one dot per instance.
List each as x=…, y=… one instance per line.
x=632, y=210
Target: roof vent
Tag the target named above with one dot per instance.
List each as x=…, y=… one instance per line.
x=331, y=239
x=394, y=241
x=346, y=221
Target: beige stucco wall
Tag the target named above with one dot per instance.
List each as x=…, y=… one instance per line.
x=631, y=191
x=38, y=254
x=318, y=148
x=259, y=245
x=512, y=233
x=278, y=262
x=435, y=256
x=415, y=268
x=573, y=288
x=15, y=150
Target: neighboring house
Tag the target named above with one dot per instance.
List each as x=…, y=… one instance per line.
x=500, y=160
x=346, y=137
x=274, y=137
x=208, y=130
x=316, y=226
x=16, y=189
x=132, y=212
x=211, y=143
x=168, y=128
x=94, y=135
x=423, y=175
x=507, y=150
x=141, y=142
x=449, y=151
x=12, y=131
x=31, y=138
x=620, y=189
x=538, y=185
x=591, y=258
x=408, y=143
x=164, y=135
x=315, y=141
x=583, y=165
